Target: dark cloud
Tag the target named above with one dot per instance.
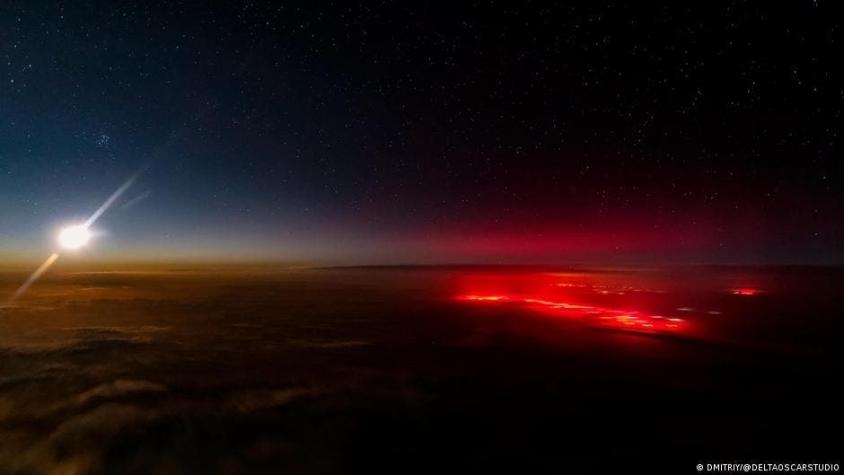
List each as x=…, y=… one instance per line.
x=328, y=371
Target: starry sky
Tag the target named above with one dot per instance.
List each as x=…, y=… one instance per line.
x=415, y=132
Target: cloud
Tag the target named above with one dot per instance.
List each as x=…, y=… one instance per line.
x=76, y=446
x=119, y=388
x=257, y=400
x=327, y=344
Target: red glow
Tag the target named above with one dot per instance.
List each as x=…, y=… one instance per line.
x=546, y=294
x=484, y=298
x=543, y=238
x=745, y=291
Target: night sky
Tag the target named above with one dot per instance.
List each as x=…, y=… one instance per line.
x=385, y=132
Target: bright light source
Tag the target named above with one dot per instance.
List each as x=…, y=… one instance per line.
x=74, y=237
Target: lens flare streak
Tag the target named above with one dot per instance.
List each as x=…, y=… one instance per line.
x=71, y=238
x=35, y=275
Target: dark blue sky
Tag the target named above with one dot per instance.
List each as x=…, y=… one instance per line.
x=398, y=133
